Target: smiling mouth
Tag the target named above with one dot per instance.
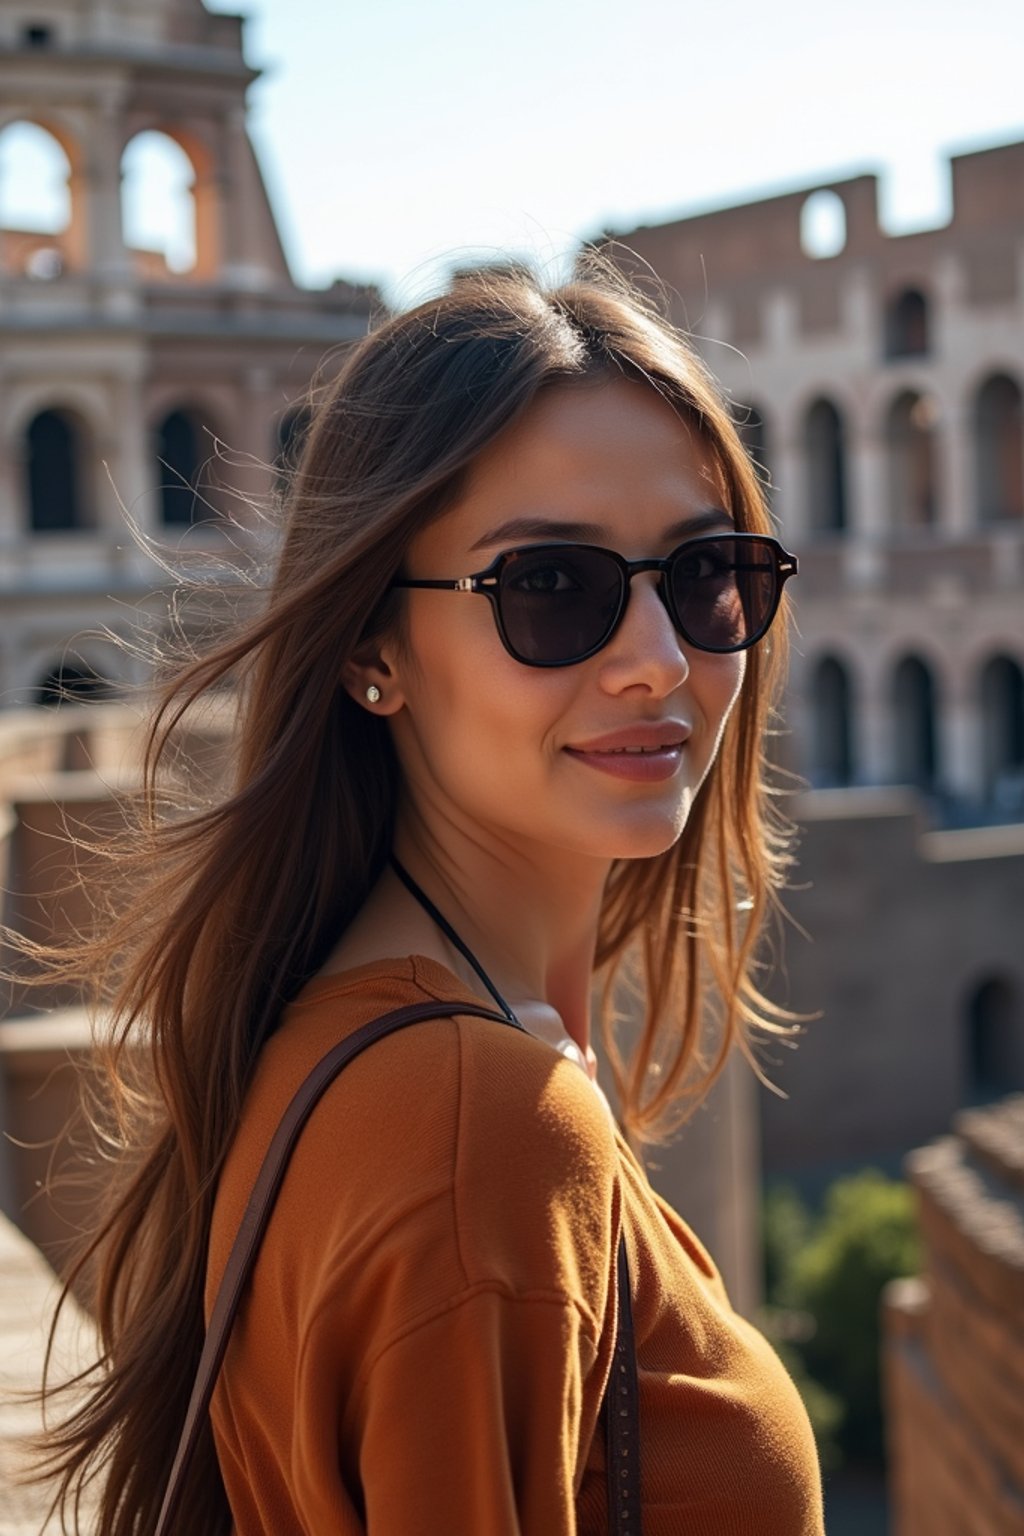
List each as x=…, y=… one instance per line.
x=641, y=738
x=668, y=746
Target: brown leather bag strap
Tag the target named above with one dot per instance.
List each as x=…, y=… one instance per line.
x=250, y=1234
x=622, y=1416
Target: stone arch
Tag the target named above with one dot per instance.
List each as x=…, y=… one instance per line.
x=1001, y=692
x=288, y=441
x=832, y=733
x=911, y=452
x=756, y=439
x=914, y=704
x=907, y=324
x=186, y=230
x=158, y=205
x=186, y=449
x=825, y=453
x=42, y=197
x=70, y=680
x=998, y=422
x=994, y=1036
x=87, y=400
x=58, y=461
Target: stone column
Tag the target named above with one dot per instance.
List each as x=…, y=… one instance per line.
x=961, y=745
x=243, y=263
x=254, y=474
x=958, y=503
x=872, y=746
x=107, y=256
x=868, y=484
x=789, y=481
x=865, y=543
x=131, y=461
x=859, y=313
x=781, y=321
x=13, y=511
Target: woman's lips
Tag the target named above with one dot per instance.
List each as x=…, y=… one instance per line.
x=644, y=765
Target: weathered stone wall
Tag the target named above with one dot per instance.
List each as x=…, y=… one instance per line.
x=954, y=1352
x=63, y=774
x=902, y=928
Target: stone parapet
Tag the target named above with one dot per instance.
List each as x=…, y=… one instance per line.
x=954, y=1351
x=27, y=1294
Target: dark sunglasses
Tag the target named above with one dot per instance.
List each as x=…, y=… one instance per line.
x=557, y=604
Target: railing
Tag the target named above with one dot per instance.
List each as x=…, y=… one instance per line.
x=915, y=566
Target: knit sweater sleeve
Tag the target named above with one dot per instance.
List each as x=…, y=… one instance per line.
x=489, y=1396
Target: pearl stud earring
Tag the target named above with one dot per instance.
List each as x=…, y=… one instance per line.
x=373, y=693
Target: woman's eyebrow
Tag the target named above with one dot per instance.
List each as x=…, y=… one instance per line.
x=713, y=519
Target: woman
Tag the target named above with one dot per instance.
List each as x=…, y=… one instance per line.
x=500, y=726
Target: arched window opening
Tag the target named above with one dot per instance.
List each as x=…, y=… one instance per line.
x=823, y=225
x=832, y=725
x=750, y=425
x=35, y=201
x=291, y=436
x=910, y=434
x=999, y=449
x=1002, y=714
x=71, y=683
x=914, y=717
x=55, y=471
x=183, y=452
x=995, y=1040
x=826, y=468
x=906, y=324
x=158, y=206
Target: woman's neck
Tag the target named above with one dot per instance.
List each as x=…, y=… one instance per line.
x=530, y=922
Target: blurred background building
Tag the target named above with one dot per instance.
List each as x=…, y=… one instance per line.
x=129, y=385
x=878, y=382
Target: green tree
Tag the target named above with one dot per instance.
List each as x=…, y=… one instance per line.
x=827, y=1275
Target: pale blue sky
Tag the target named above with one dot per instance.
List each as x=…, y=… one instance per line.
x=397, y=136
x=395, y=131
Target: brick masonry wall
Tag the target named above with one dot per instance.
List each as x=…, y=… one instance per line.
x=954, y=1349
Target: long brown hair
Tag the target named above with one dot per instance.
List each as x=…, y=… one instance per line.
x=233, y=907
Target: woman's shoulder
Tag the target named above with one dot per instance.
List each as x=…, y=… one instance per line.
x=481, y=1071
x=510, y=1099
x=459, y=1137
x=452, y=1101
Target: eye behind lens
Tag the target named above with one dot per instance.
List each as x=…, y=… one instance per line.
x=559, y=605
x=725, y=591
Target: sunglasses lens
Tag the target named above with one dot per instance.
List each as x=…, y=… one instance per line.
x=559, y=603
x=724, y=591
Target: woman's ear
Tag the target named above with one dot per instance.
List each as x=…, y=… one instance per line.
x=370, y=678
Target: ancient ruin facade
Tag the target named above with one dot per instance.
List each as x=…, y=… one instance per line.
x=134, y=390
x=878, y=381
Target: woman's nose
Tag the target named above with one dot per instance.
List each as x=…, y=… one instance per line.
x=646, y=649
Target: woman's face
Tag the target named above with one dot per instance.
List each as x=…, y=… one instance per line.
x=533, y=757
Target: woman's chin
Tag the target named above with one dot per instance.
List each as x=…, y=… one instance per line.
x=639, y=836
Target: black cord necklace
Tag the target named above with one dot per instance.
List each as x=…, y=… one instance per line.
x=450, y=934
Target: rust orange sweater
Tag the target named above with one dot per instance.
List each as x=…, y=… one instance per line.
x=426, y=1340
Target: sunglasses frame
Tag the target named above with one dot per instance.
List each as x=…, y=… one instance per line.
x=487, y=583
